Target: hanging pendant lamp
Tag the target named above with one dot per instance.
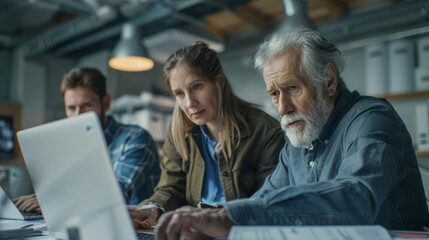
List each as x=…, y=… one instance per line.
x=129, y=54
x=296, y=15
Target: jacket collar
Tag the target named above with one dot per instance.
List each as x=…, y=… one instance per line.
x=343, y=103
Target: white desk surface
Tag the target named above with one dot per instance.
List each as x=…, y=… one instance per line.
x=7, y=224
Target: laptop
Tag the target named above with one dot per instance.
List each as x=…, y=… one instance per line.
x=70, y=168
x=10, y=211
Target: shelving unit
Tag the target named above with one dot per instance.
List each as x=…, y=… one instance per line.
x=154, y=115
x=422, y=153
x=128, y=108
x=407, y=96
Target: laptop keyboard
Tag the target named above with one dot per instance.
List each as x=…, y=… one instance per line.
x=145, y=236
x=32, y=215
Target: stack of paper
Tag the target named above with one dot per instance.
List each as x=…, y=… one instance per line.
x=371, y=232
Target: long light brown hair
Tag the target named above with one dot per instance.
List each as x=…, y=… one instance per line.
x=200, y=58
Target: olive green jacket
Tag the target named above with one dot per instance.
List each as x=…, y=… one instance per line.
x=241, y=175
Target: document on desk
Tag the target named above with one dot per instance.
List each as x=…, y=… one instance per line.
x=8, y=224
x=373, y=232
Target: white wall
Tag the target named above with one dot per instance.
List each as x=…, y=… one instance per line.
x=245, y=81
x=34, y=112
x=28, y=87
x=136, y=82
x=120, y=83
x=55, y=69
x=354, y=71
x=5, y=60
x=96, y=60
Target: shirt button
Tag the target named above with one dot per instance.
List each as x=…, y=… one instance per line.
x=326, y=141
x=312, y=163
x=225, y=174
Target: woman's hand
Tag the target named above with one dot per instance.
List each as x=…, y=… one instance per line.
x=144, y=217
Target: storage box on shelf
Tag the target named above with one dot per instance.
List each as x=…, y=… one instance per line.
x=152, y=113
x=422, y=153
x=401, y=66
x=410, y=96
x=422, y=120
x=407, y=95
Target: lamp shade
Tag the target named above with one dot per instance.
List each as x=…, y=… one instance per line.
x=129, y=53
x=296, y=15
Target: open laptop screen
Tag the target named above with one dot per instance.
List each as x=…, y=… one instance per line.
x=69, y=165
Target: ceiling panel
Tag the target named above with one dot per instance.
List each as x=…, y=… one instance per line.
x=26, y=22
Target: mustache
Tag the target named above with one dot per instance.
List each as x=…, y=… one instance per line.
x=290, y=118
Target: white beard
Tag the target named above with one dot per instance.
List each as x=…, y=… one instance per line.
x=303, y=135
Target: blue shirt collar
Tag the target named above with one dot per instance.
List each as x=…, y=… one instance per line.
x=111, y=129
x=206, y=134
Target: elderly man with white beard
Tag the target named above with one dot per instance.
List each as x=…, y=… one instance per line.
x=349, y=159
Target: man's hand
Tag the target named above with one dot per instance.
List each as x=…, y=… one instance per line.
x=193, y=223
x=144, y=217
x=27, y=203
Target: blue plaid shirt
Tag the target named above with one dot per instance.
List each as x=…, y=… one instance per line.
x=135, y=160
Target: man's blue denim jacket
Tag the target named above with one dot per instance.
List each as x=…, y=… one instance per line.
x=361, y=170
x=135, y=160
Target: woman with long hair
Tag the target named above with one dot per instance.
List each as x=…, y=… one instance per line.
x=218, y=147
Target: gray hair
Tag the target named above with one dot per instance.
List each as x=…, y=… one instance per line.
x=316, y=52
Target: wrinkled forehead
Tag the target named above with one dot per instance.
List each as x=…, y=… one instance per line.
x=280, y=64
x=290, y=57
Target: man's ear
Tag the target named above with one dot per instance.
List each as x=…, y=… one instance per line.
x=106, y=102
x=331, y=85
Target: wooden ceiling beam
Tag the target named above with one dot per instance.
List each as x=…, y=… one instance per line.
x=253, y=17
x=262, y=14
x=243, y=17
x=226, y=22
x=217, y=31
x=269, y=9
x=322, y=10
